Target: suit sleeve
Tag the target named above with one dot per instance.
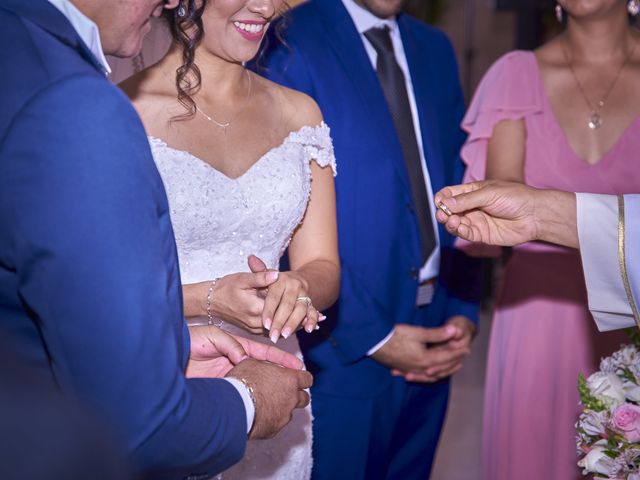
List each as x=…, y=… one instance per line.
x=97, y=270
x=460, y=274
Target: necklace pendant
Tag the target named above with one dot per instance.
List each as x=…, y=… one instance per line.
x=595, y=121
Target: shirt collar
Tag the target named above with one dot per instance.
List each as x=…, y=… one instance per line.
x=87, y=30
x=365, y=20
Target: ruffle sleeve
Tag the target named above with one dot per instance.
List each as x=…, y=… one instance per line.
x=317, y=144
x=510, y=90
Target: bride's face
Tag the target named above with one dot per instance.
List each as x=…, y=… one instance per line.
x=234, y=28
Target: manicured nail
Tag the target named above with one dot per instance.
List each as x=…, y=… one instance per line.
x=272, y=276
x=322, y=318
x=317, y=327
x=286, y=333
x=308, y=328
x=267, y=323
x=275, y=334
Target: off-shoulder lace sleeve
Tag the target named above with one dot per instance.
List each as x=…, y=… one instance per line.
x=317, y=144
x=510, y=90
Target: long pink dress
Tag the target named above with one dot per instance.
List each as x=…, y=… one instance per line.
x=543, y=335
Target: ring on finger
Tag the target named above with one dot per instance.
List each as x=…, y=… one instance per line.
x=306, y=300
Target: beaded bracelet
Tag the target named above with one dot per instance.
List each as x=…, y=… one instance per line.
x=209, y=297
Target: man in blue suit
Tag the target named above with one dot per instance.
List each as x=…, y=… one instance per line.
x=90, y=292
x=388, y=88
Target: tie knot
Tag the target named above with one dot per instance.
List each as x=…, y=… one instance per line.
x=380, y=39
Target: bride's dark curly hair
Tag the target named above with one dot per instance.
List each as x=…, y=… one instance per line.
x=187, y=31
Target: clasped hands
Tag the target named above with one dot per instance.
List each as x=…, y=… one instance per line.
x=275, y=376
x=265, y=300
x=427, y=355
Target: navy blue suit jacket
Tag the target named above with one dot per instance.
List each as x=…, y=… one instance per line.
x=89, y=281
x=323, y=56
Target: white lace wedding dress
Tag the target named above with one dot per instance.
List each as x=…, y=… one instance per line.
x=218, y=221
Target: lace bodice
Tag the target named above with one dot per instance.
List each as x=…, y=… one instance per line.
x=218, y=221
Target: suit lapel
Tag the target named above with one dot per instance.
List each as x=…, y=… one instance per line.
x=423, y=78
x=50, y=19
x=346, y=43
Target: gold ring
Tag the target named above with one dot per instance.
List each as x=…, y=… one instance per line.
x=445, y=209
x=307, y=300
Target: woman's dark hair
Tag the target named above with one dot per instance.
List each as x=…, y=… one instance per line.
x=187, y=32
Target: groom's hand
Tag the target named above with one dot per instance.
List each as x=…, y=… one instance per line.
x=277, y=392
x=215, y=352
x=416, y=349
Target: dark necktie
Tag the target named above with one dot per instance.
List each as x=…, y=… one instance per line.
x=395, y=91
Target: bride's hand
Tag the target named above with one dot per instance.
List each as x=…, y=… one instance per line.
x=287, y=305
x=235, y=299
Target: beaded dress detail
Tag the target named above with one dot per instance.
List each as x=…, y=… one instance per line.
x=218, y=221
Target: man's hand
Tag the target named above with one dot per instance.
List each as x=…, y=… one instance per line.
x=277, y=392
x=215, y=352
x=458, y=348
x=506, y=213
x=415, y=349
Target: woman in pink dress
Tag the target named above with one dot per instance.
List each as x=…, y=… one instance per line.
x=567, y=117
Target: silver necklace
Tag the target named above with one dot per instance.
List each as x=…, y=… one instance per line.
x=595, y=117
x=225, y=125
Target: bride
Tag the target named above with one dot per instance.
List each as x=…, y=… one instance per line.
x=248, y=168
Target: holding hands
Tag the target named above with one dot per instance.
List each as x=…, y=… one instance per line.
x=260, y=301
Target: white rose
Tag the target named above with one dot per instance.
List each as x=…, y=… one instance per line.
x=606, y=387
x=593, y=423
x=632, y=391
x=596, y=461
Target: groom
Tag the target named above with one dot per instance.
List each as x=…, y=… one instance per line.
x=388, y=88
x=90, y=293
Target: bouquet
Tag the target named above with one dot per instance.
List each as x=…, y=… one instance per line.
x=609, y=427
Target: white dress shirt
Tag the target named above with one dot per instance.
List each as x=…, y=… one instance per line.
x=365, y=20
x=597, y=217
x=88, y=31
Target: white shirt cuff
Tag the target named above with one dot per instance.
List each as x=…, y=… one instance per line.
x=380, y=344
x=597, y=217
x=246, y=399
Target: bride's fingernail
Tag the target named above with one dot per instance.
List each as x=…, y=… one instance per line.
x=267, y=323
x=322, y=318
x=286, y=333
x=317, y=327
x=274, y=336
x=308, y=328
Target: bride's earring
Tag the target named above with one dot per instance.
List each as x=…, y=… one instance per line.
x=633, y=7
x=560, y=13
x=181, y=10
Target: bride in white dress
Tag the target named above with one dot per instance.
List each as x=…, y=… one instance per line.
x=248, y=168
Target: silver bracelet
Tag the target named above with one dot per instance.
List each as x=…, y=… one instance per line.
x=209, y=298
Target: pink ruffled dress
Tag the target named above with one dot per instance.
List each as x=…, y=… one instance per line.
x=543, y=335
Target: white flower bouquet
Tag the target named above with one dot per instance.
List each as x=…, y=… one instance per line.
x=609, y=427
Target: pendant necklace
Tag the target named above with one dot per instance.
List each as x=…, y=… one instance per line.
x=225, y=125
x=595, y=117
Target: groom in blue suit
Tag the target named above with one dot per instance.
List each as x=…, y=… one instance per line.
x=90, y=293
x=388, y=87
